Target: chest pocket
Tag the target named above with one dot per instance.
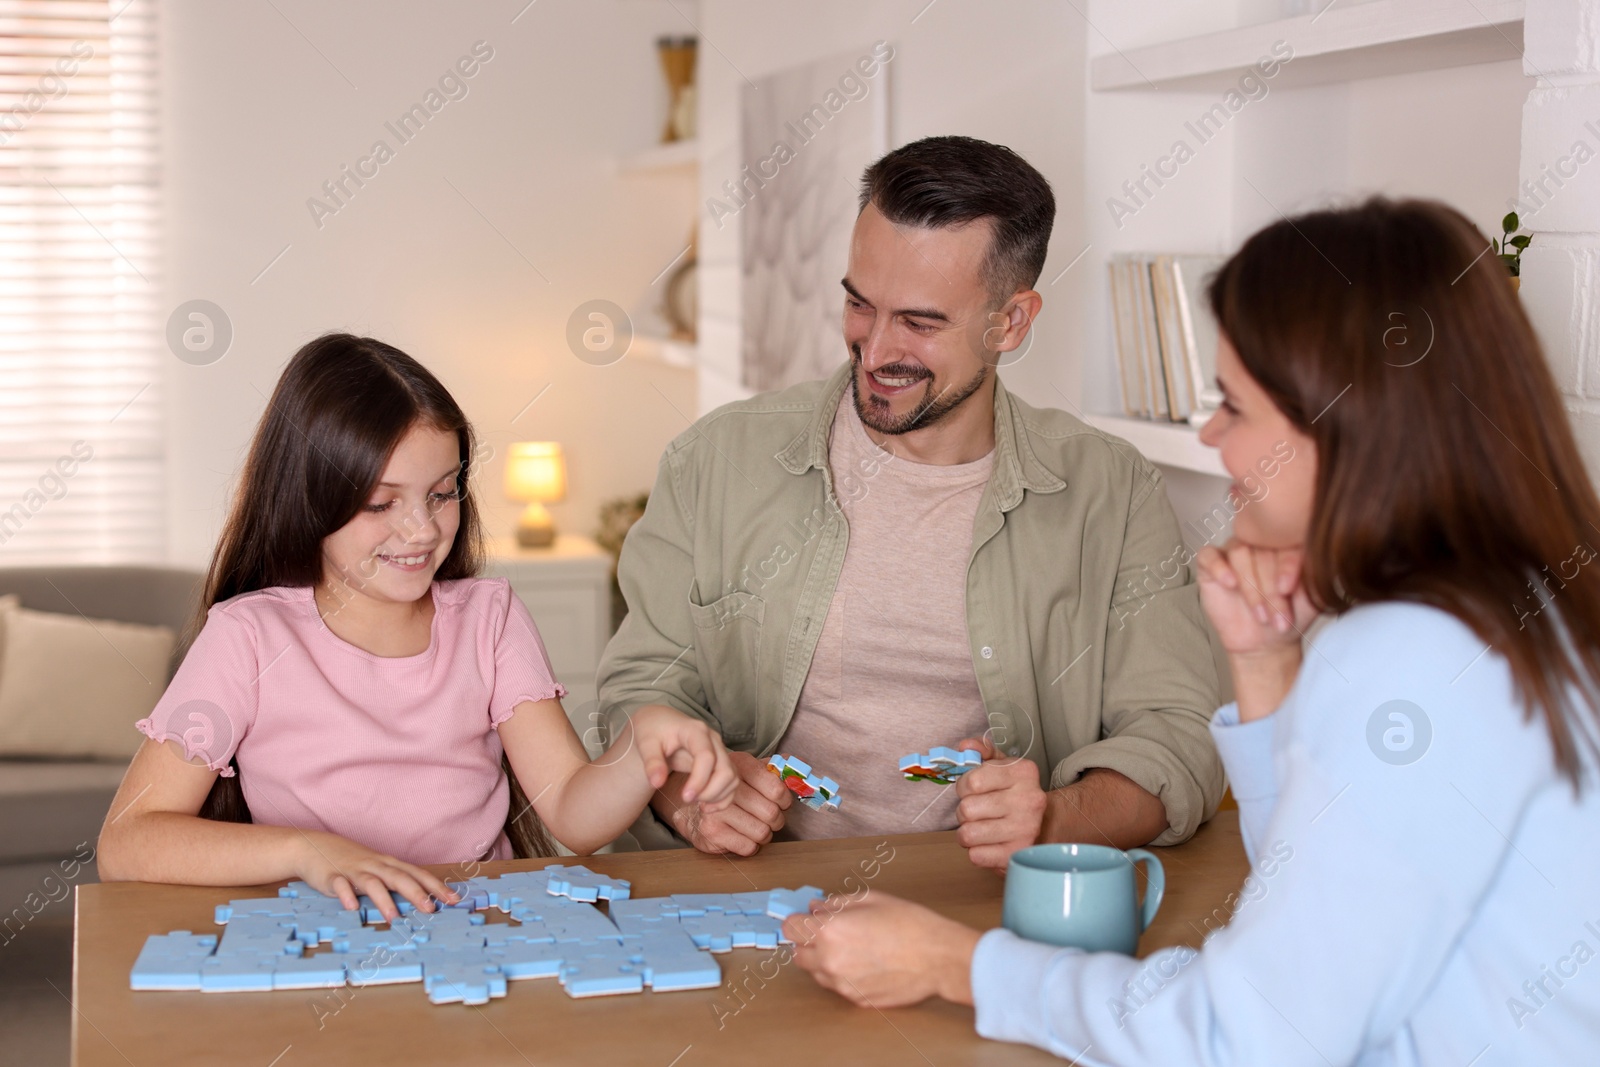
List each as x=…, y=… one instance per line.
x=727, y=637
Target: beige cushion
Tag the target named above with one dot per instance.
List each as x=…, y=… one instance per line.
x=72, y=687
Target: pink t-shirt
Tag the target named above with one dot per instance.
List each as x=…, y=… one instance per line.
x=397, y=753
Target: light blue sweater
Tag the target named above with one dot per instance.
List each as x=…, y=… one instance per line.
x=1442, y=911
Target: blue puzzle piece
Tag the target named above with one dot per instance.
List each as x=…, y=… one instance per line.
x=323, y=971
x=367, y=940
x=566, y=921
x=171, y=961
x=580, y=883
x=237, y=974
x=238, y=945
x=670, y=961
x=782, y=903
x=456, y=976
x=265, y=906
x=642, y=914
x=600, y=970
x=384, y=966
x=521, y=888
x=525, y=959
x=721, y=932
x=528, y=932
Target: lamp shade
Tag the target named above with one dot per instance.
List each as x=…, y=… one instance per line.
x=536, y=472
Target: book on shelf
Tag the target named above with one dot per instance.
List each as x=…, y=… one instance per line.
x=1165, y=335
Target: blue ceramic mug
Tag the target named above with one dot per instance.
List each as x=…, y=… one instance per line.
x=1081, y=896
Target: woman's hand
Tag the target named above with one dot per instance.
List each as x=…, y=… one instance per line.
x=884, y=952
x=1260, y=610
x=338, y=867
x=1253, y=596
x=669, y=740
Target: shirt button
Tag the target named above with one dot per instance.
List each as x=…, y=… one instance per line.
x=988, y=653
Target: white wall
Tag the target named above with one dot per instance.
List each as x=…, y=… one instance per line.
x=258, y=113
x=1449, y=134
x=1561, y=268
x=1011, y=73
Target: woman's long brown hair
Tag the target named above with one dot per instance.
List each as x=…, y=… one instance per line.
x=341, y=406
x=1447, y=472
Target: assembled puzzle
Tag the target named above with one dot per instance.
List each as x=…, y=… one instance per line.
x=556, y=930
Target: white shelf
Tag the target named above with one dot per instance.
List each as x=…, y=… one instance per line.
x=1171, y=444
x=1346, y=41
x=676, y=155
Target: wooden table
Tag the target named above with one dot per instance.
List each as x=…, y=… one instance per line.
x=766, y=1011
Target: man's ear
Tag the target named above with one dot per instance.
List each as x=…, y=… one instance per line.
x=1006, y=328
x=1021, y=311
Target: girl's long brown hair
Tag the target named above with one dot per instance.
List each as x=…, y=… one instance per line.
x=341, y=406
x=1447, y=473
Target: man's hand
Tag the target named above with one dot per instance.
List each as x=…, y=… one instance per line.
x=1002, y=806
x=759, y=802
x=884, y=952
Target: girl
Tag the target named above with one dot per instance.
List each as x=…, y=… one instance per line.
x=355, y=685
x=1417, y=788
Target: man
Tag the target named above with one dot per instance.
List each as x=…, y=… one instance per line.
x=905, y=555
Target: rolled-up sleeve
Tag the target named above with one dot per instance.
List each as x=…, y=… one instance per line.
x=1160, y=683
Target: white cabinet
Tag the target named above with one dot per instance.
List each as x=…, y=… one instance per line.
x=567, y=589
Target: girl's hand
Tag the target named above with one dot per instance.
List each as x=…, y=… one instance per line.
x=669, y=740
x=338, y=867
x=1253, y=597
x=884, y=952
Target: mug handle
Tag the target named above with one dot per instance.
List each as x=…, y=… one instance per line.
x=1156, y=884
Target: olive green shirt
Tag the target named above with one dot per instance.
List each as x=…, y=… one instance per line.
x=1084, y=621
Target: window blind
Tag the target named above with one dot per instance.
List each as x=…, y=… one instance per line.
x=81, y=436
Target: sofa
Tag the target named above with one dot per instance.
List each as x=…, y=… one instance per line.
x=51, y=811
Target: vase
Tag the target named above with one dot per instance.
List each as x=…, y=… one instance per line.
x=677, y=63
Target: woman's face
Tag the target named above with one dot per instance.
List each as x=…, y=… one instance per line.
x=404, y=531
x=1272, y=463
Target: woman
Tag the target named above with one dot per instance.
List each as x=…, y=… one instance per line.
x=1417, y=785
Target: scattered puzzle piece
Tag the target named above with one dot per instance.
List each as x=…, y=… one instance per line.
x=940, y=765
x=782, y=903
x=171, y=961
x=720, y=932
x=385, y=966
x=460, y=976
x=580, y=883
x=813, y=789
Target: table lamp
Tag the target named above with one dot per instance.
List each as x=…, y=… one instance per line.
x=537, y=474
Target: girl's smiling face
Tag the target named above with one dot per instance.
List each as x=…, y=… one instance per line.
x=404, y=531
x=1272, y=462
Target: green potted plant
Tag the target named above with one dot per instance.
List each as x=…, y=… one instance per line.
x=1511, y=239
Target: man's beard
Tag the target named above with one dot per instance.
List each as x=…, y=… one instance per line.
x=873, y=410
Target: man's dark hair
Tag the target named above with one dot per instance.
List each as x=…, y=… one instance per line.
x=949, y=181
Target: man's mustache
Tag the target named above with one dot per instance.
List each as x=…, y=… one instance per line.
x=894, y=370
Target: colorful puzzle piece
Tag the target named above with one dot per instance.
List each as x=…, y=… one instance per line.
x=813, y=789
x=459, y=956
x=940, y=765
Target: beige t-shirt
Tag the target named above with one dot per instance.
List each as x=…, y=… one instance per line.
x=892, y=672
